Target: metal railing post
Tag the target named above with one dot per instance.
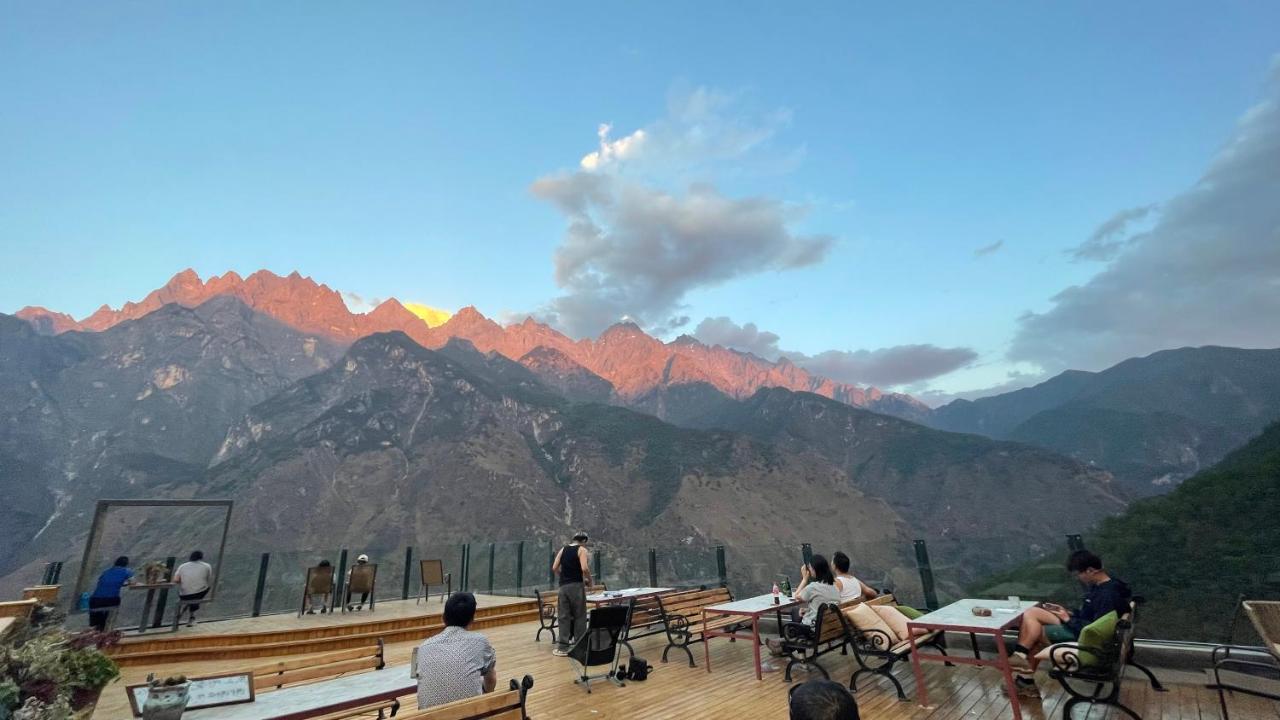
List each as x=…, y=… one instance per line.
x=653, y=568
x=520, y=569
x=926, y=575
x=493, y=554
x=262, y=584
x=596, y=561
x=551, y=561
x=722, y=570
x=163, y=598
x=339, y=581
x=408, y=571
x=1075, y=542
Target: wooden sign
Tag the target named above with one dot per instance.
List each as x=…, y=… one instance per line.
x=203, y=692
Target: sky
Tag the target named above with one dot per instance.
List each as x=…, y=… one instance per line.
x=947, y=199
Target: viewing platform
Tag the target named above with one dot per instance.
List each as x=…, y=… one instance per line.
x=674, y=691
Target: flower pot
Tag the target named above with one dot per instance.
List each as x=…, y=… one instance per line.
x=165, y=702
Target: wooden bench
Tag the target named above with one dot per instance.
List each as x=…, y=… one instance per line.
x=647, y=617
x=549, y=609
x=508, y=705
x=316, y=667
x=18, y=608
x=878, y=653
x=682, y=618
x=1265, y=617
x=804, y=644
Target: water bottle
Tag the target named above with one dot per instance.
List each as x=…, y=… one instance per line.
x=775, y=594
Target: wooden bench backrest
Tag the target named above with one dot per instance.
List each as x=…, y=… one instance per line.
x=691, y=603
x=506, y=705
x=315, y=667
x=1265, y=617
x=830, y=622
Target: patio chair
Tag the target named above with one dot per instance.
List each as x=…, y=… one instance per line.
x=1265, y=616
x=600, y=644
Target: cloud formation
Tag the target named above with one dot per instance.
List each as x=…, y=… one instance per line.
x=884, y=367
x=1109, y=239
x=1207, y=272
x=633, y=248
x=986, y=250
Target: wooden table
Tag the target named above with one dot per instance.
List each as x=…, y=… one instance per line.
x=754, y=608
x=303, y=701
x=959, y=617
x=613, y=597
x=149, y=601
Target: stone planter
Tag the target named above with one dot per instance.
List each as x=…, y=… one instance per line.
x=165, y=702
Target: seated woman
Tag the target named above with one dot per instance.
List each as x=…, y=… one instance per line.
x=851, y=588
x=817, y=588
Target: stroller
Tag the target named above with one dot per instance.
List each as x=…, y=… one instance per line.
x=599, y=645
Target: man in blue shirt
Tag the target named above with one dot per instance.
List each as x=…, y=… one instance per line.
x=107, y=592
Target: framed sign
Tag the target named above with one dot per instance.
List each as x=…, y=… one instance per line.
x=204, y=692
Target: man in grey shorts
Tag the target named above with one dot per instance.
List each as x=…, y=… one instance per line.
x=573, y=566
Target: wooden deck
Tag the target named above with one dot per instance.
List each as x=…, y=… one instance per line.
x=674, y=691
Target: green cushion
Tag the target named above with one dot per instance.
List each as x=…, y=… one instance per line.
x=910, y=612
x=1097, y=634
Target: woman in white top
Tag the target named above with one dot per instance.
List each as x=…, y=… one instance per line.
x=851, y=588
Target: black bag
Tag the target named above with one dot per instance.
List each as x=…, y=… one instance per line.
x=638, y=670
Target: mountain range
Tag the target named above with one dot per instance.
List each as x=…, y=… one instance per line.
x=384, y=442
x=1152, y=421
x=624, y=365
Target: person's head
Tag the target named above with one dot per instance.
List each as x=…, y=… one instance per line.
x=580, y=538
x=1087, y=567
x=460, y=609
x=325, y=563
x=122, y=561
x=821, y=570
x=362, y=559
x=822, y=700
x=841, y=561
x=197, y=555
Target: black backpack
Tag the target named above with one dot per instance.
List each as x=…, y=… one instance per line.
x=638, y=670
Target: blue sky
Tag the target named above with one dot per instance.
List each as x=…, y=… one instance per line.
x=393, y=149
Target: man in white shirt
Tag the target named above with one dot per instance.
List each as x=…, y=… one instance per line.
x=194, y=578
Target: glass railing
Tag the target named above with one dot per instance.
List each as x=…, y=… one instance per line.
x=924, y=573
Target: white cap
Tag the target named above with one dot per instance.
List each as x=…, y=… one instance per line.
x=362, y=558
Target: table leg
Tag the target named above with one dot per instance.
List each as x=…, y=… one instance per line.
x=706, y=642
x=755, y=645
x=1007, y=671
x=922, y=693
x=146, y=611
x=973, y=643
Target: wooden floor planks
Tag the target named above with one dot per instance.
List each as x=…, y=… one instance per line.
x=675, y=691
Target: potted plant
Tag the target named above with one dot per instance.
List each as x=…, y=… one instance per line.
x=166, y=699
x=48, y=673
x=154, y=572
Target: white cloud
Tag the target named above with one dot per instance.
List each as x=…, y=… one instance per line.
x=1207, y=272
x=612, y=150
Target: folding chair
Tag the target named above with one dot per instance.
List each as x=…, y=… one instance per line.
x=432, y=573
x=599, y=645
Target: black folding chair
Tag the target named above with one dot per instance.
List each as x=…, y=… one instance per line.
x=599, y=645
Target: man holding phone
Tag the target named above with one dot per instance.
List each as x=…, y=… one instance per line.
x=1048, y=623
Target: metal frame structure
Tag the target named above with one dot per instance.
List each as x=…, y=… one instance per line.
x=95, y=535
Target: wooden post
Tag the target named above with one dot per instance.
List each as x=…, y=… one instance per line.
x=262, y=584
x=926, y=575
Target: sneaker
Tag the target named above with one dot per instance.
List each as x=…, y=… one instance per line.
x=324, y=610
x=1018, y=661
x=775, y=647
x=360, y=606
x=311, y=611
x=351, y=608
x=191, y=621
x=560, y=652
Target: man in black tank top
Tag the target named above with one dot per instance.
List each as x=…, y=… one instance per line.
x=573, y=567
